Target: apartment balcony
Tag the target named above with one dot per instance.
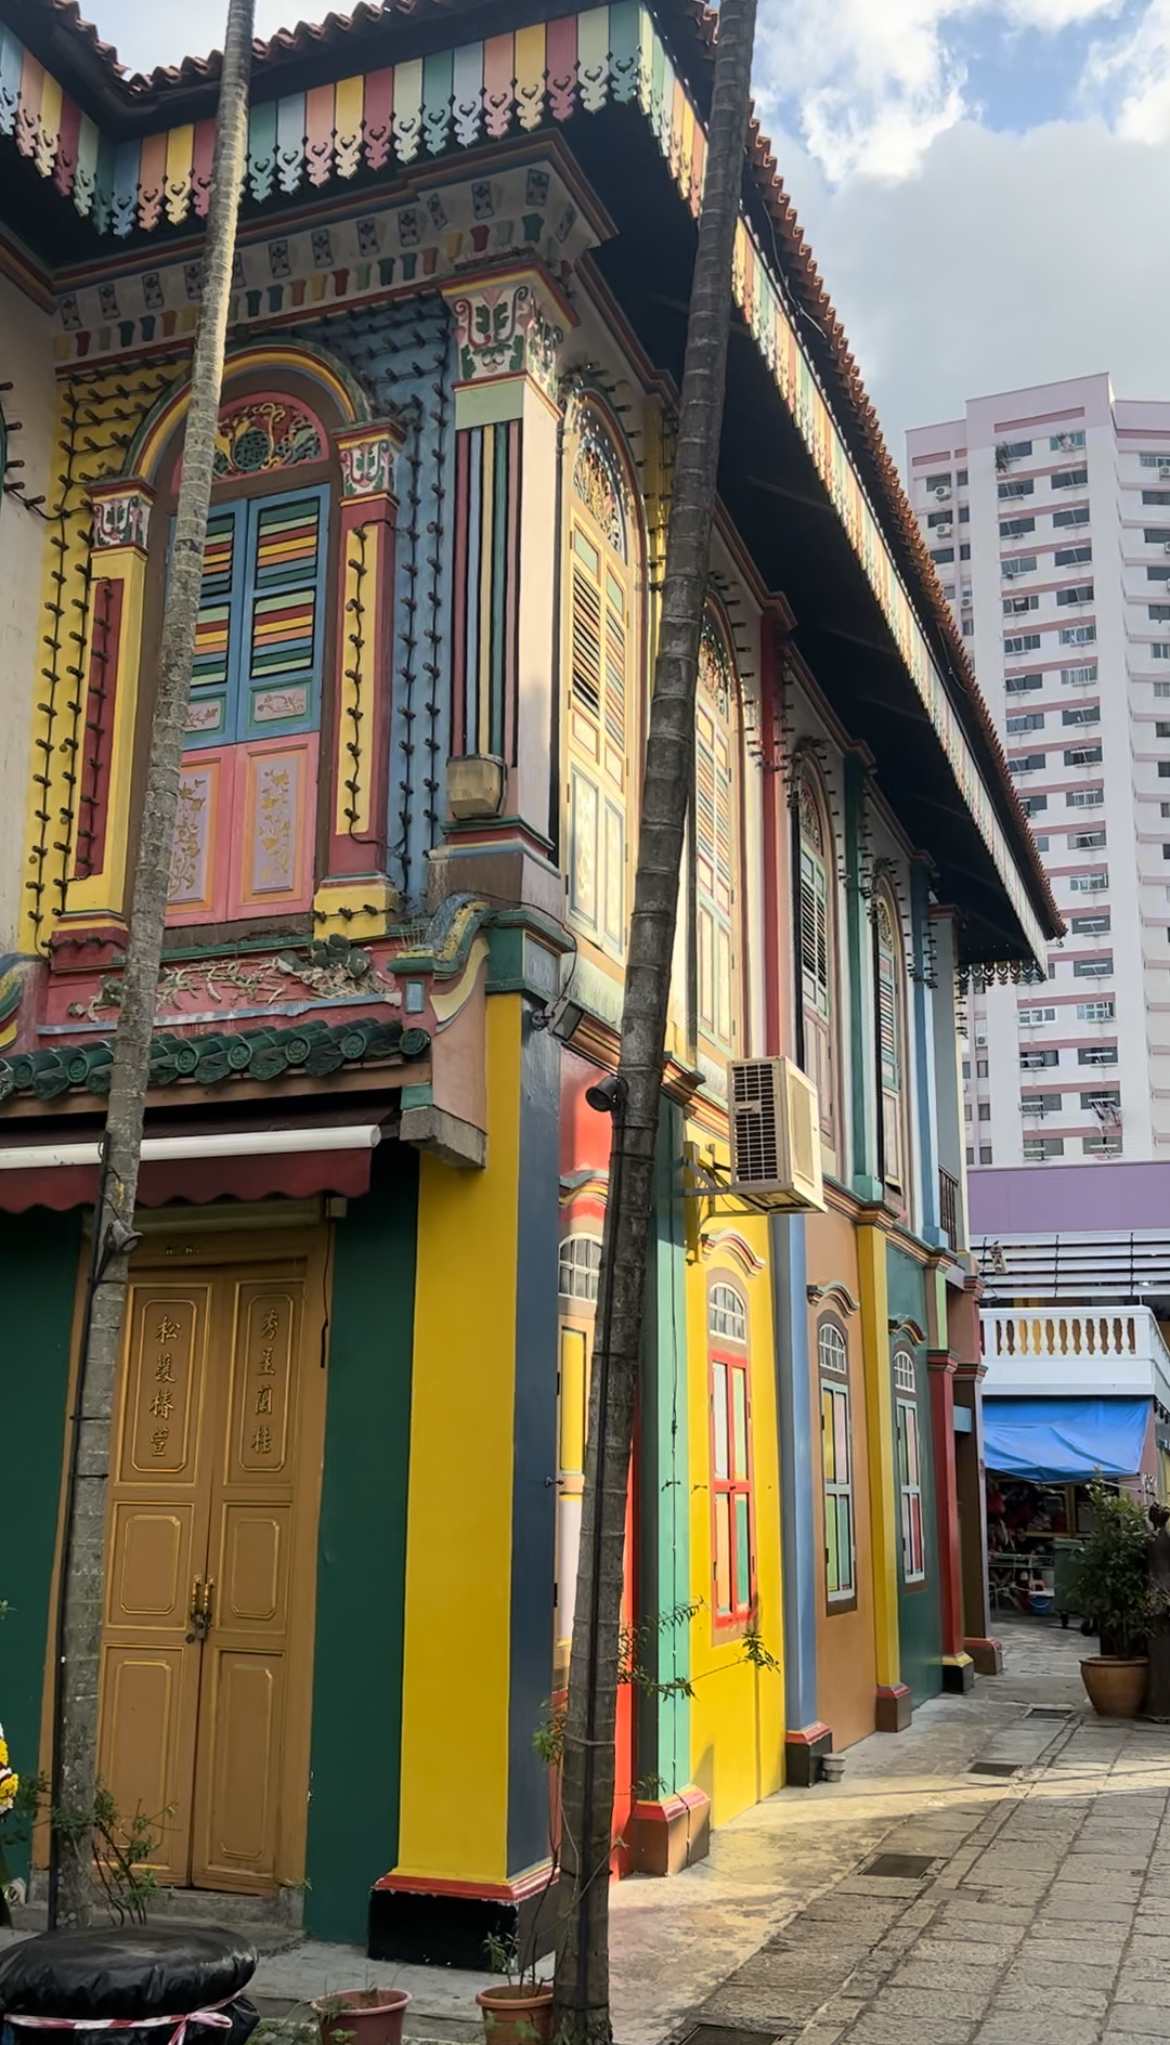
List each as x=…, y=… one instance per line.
x=1038, y=1352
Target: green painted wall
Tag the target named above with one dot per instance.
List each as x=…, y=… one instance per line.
x=919, y=1607
x=663, y=1723
x=39, y=1255
x=361, y=1557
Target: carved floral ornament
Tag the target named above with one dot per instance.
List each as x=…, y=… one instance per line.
x=121, y=516
x=597, y=485
x=501, y=329
x=369, y=459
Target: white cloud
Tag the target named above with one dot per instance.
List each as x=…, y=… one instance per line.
x=875, y=82
x=1008, y=260
x=1134, y=74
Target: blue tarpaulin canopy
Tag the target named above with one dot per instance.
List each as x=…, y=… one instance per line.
x=1050, y=1439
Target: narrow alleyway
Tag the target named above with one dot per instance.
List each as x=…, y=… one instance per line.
x=1033, y=1900
x=1001, y=1869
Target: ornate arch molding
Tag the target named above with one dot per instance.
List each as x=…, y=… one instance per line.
x=336, y=385
x=907, y=1330
x=833, y=1295
x=584, y=397
x=809, y=760
x=728, y=1243
x=885, y=880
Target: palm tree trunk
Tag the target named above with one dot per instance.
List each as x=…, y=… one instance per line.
x=582, y=1981
x=83, y=1562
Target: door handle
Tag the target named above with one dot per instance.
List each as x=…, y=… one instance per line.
x=200, y=1614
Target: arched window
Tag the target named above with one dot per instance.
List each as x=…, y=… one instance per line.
x=245, y=827
x=837, y=1466
x=909, y=1466
x=815, y=939
x=716, y=840
x=602, y=710
x=890, y=1030
x=580, y=1268
x=732, y=1531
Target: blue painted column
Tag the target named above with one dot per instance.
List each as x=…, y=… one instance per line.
x=931, y=1230
x=805, y=1738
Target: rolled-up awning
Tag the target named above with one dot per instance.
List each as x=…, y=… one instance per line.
x=247, y=1164
x=1051, y=1439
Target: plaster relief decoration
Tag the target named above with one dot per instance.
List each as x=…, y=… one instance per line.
x=275, y=704
x=327, y=970
x=190, y=882
x=274, y=844
x=273, y=859
x=596, y=484
x=369, y=460
x=500, y=330
x=257, y=435
x=121, y=517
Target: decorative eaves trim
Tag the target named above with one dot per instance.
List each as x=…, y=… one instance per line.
x=317, y=1048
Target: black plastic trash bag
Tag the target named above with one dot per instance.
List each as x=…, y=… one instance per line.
x=128, y=1972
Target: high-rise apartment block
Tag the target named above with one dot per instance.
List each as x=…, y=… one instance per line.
x=1047, y=514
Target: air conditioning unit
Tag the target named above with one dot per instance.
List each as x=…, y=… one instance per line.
x=775, y=1133
x=943, y=532
x=1165, y=544
x=1164, y=473
x=942, y=493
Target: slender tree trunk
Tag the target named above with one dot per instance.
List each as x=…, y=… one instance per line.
x=83, y=1568
x=582, y=1980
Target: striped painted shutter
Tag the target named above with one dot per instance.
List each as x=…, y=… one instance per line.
x=279, y=685
x=210, y=713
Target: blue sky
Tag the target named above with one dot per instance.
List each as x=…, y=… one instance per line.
x=982, y=181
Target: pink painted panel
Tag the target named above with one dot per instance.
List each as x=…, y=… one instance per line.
x=203, y=832
x=275, y=825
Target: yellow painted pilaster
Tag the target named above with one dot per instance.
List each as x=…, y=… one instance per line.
x=879, y=1404
x=454, y=1811
x=123, y=511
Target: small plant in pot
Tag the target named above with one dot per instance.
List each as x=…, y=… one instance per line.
x=519, y=2011
x=1111, y=1583
x=362, y=2016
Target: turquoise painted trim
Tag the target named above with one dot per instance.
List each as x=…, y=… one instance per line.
x=920, y=1639
x=664, y=1559
x=799, y=1461
x=863, y=1126
x=924, y=1060
x=39, y=1256
x=361, y=1553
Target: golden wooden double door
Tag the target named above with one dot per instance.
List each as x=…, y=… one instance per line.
x=211, y=1558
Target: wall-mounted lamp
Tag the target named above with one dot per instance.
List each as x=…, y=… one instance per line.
x=607, y=1095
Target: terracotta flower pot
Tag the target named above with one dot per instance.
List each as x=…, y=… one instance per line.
x=516, y=2016
x=1116, y=1684
x=366, y=2016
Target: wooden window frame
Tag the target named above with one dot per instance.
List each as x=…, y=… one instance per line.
x=716, y=949
x=835, y=1386
x=817, y=1015
x=234, y=754
x=907, y=1428
x=730, y=1357
x=599, y=756
x=892, y=1101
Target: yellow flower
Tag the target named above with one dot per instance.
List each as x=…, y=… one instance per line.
x=9, y=1780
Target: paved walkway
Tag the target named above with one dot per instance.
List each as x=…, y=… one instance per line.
x=1038, y=1905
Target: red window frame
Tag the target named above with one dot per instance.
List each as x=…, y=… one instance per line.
x=733, y=1557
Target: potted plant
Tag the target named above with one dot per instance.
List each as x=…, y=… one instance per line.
x=362, y=2016
x=519, y=2012
x=1111, y=1585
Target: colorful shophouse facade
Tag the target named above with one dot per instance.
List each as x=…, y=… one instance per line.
x=350, y=1421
